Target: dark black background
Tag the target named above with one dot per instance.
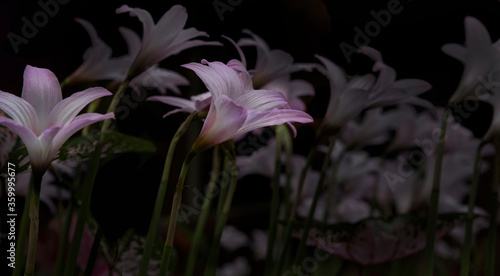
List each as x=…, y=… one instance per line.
x=410, y=43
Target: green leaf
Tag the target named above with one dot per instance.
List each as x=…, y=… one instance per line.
x=114, y=143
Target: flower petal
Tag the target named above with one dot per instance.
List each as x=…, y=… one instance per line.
x=143, y=15
x=183, y=104
x=19, y=110
x=258, y=119
x=29, y=138
x=66, y=110
x=334, y=74
x=455, y=50
x=78, y=123
x=133, y=41
x=218, y=78
x=223, y=122
x=262, y=100
x=41, y=89
x=159, y=78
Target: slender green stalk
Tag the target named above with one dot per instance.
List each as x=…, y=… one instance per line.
x=317, y=192
x=160, y=197
x=224, y=189
x=112, y=106
x=432, y=216
x=94, y=251
x=492, y=230
x=176, y=205
x=221, y=221
x=205, y=210
x=84, y=213
x=23, y=232
x=332, y=185
x=274, y=203
x=295, y=204
x=92, y=107
x=465, y=263
x=288, y=146
x=63, y=241
x=33, y=214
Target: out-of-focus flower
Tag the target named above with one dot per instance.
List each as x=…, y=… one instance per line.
x=480, y=57
x=259, y=244
x=42, y=119
x=387, y=90
x=196, y=103
x=165, y=38
x=7, y=142
x=347, y=98
x=273, y=71
x=236, y=108
x=98, y=64
x=239, y=267
x=494, y=128
x=258, y=162
x=232, y=238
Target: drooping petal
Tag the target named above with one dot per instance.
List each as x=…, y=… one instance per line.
x=19, y=110
x=183, y=104
x=133, y=41
x=41, y=89
x=159, y=78
x=78, y=123
x=66, y=110
x=223, y=122
x=334, y=74
x=218, y=78
x=29, y=138
x=455, y=50
x=142, y=15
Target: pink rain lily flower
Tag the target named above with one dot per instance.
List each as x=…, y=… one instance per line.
x=236, y=108
x=98, y=64
x=388, y=91
x=42, y=119
x=165, y=38
x=480, y=57
x=273, y=71
x=347, y=98
x=270, y=64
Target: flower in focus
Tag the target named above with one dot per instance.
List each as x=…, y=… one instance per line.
x=479, y=56
x=42, y=119
x=236, y=108
x=165, y=38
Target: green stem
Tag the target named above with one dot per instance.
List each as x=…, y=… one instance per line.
x=295, y=204
x=33, y=214
x=112, y=106
x=94, y=251
x=160, y=197
x=23, y=232
x=63, y=241
x=465, y=263
x=492, y=230
x=205, y=210
x=331, y=186
x=274, y=202
x=221, y=221
x=84, y=213
x=317, y=193
x=176, y=205
x=92, y=107
x=432, y=216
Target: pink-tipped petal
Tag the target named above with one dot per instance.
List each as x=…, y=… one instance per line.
x=41, y=89
x=66, y=110
x=218, y=78
x=19, y=110
x=223, y=121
